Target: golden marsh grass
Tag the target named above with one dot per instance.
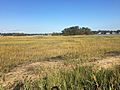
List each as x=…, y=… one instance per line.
x=20, y=49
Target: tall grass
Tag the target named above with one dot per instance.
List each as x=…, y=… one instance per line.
x=81, y=78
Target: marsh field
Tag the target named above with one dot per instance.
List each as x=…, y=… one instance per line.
x=86, y=62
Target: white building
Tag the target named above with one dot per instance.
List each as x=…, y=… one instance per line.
x=107, y=33
x=99, y=33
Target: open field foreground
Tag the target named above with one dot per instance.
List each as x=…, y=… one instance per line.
x=63, y=62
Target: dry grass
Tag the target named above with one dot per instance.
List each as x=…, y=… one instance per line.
x=19, y=50
x=16, y=51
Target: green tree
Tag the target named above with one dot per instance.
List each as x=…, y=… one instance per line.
x=76, y=30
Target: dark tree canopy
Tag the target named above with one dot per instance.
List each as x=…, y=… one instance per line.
x=76, y=30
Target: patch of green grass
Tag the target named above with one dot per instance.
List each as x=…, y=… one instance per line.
x=81, y=78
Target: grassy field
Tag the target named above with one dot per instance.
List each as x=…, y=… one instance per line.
x=20, y=50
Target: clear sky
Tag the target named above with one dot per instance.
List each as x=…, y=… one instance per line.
x=39, y=16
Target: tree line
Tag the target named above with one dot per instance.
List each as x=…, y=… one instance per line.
x=74, y=30
x=22, y=34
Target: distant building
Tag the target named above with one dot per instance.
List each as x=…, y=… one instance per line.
x=99, y=33
x=113, y=32
x=118, y=31
x=107, y=33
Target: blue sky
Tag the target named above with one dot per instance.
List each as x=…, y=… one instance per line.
x=40, y=16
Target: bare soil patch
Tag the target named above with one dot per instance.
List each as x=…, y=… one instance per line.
x=112, y=53
x=23, y=71
x=106, y=63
